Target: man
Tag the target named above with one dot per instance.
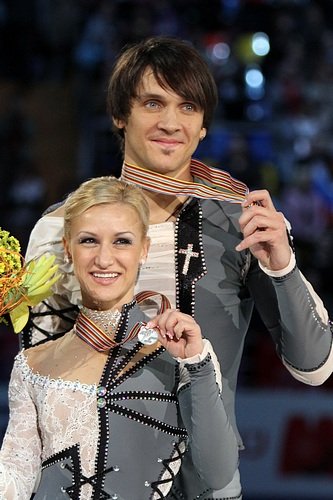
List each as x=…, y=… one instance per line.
x=216, y=250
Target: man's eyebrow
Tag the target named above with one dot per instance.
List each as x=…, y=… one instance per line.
x=148, y=95
x=141, y=96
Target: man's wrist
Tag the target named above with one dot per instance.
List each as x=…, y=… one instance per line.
x=281, y=272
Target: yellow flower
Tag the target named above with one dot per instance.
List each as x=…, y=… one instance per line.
x=22, y=285
x=10, y=258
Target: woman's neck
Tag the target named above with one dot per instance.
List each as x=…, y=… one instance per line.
x=106, y=320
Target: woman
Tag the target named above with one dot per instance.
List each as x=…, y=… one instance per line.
x=116, y=408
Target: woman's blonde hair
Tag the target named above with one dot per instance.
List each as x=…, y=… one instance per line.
x=105, y=190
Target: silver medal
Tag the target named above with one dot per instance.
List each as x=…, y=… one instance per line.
x=147, y=336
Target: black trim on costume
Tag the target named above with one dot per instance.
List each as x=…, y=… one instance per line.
x=166, y=462
x=102, y=453
x=65, y=314
x=71, y=453
x=138, y=365
x=78, y=478
x=188, y=233
x=146, y=420
x=143, y=396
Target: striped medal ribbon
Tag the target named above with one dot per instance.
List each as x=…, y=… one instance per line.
x=93, y=335
x=222, y=186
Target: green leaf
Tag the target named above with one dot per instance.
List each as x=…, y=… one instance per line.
x=19, y=317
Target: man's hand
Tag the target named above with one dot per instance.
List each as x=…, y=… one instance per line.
x=178, y=333
x=264, y=231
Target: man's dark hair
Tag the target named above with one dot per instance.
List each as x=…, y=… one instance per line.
x=175, y=63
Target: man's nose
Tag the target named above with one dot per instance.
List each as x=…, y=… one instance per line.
x=169, y=119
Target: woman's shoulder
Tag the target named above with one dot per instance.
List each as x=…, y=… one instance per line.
x=40, y=355
x=51, y=365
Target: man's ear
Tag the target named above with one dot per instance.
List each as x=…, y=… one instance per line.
x=117, y=122
x=203, y=133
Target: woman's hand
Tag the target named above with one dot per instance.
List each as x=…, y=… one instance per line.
x=178, y=333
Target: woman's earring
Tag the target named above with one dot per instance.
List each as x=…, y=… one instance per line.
x=66, y=258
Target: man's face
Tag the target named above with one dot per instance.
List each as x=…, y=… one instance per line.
x=163, y=130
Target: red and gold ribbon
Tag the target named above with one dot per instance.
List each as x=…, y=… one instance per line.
x=222, y=186
x=93, y=335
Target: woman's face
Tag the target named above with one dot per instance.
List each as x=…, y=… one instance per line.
x=107, y=246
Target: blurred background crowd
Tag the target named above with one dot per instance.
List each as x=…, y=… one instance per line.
x=273, y=64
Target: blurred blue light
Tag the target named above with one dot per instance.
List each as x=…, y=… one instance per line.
x=220, y=51
x=260, y=44
x=254, y=78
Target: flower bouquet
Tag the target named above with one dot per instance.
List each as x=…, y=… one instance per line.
x=22, y=285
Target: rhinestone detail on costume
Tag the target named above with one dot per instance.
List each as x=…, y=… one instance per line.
x=106, y=320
